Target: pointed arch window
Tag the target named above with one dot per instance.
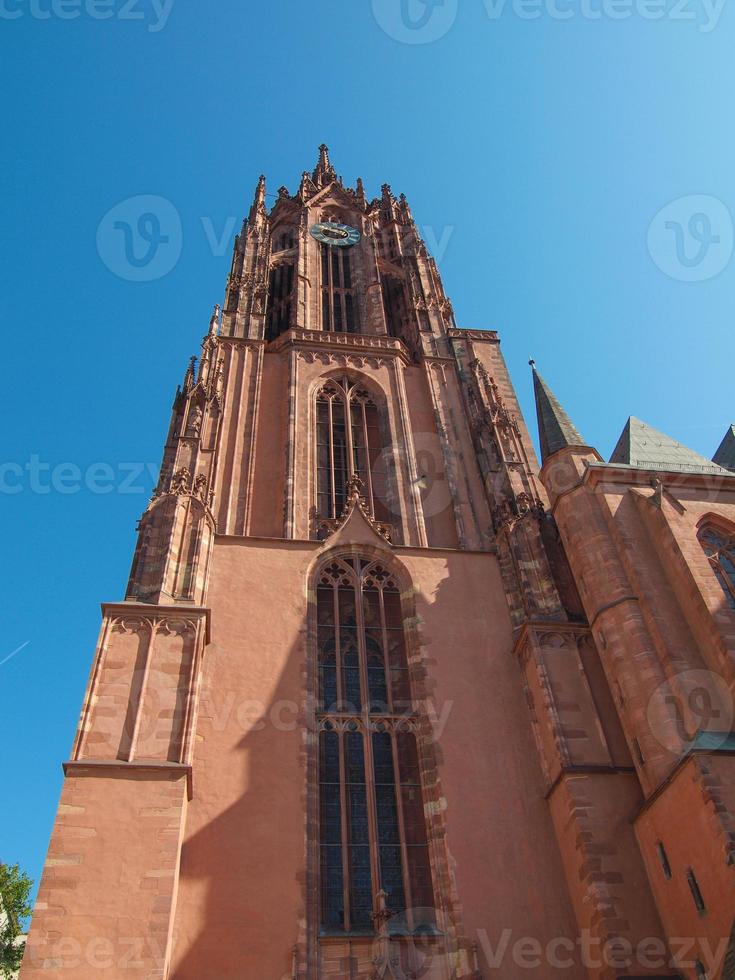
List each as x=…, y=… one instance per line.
x=720, y=550
x=372, y=831
x=284, y=240
x=280, y=291
x=339, y=306
x=349, y=444
x=394, y=302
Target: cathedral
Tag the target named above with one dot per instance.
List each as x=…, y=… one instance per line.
x=387, y=697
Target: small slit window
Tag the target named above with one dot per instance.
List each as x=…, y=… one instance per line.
x=696, y=892
x=664, y=859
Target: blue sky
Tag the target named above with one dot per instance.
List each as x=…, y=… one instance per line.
x=538, y=140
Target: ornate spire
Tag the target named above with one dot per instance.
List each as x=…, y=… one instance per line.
x=324, y=171
x=404, y=210
x=360, y=192
x=307, y=188
x=214, y=321
x=725, y=455
x=259, y=208
x=556, y=430
x=190, y=376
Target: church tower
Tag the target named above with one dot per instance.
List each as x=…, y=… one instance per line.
x=382, y=699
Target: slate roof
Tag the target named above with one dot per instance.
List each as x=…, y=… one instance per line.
x=642, y=446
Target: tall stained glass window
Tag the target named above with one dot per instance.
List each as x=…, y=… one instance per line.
x=372, y=829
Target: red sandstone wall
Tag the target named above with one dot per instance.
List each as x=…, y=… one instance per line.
x=692, y=818
x=108, y=888
x=242, y=901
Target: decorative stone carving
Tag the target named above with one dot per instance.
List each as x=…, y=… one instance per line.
x=387, y=960
x=326, y=526
x=458, y=333
x=194, y=428
x=181, y=482
x=200, y=487
x=509, y=512
x=175, y=627
x=239, y=282
x=131, y=625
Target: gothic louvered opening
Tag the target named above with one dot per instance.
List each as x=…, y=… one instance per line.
x=280, y=290
x=349, y=443
x=283, y=240
x=394, y=302
x=339, y=305
x=372, y=832
x=720, y=549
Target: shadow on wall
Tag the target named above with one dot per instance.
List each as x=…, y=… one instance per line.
x=241, y=908
x=244, y=898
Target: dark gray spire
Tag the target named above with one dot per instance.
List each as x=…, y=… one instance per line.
x=555, y=429
x=725, y=455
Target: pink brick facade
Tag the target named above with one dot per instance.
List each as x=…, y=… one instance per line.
x=556, y=626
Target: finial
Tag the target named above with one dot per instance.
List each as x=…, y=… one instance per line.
x=214, y=321
x=258, y=207
x=532, y=364
x=190, y=374
x=324, y=171
x=306, y=187
x=404, y=209
x=360, y=192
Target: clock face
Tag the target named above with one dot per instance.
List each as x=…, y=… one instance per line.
x=334, y=234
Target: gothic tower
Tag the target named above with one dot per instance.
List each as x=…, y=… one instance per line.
x=382, y=700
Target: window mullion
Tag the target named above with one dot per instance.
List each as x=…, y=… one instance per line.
x=345, y=835
x=368, y=474
x=398, y=787
x=331, y=459
x=369, y=764
x=724, y=573
x=338, y=649
x=386, y=664
x=348, y=427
